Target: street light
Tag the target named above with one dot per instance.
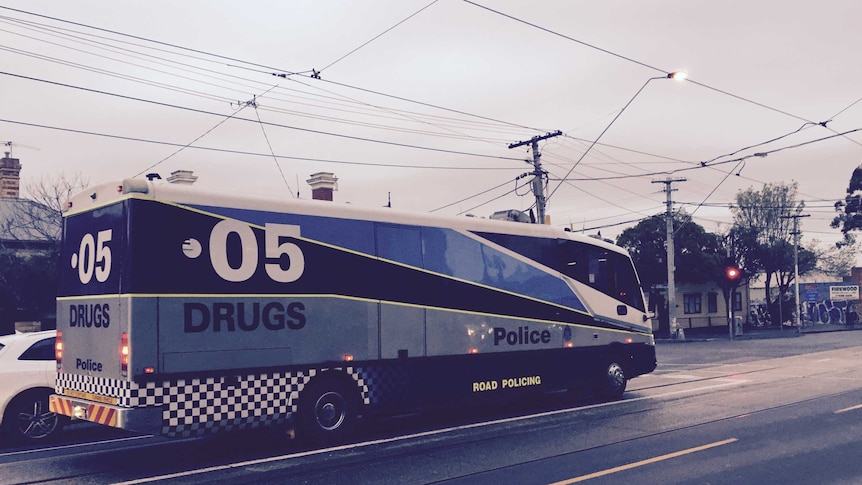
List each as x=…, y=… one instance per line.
x=676, y=75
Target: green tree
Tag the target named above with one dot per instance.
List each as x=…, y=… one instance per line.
x=765, y=219
x=835, y=261
x=850, y=209
x=697, y=255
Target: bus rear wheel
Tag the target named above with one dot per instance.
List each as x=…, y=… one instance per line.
x=327, y=412
x=612, y=382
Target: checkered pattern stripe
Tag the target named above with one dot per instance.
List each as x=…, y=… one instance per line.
x=379, y=382
x=199, y=406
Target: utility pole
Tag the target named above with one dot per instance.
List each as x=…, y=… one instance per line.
x=538, y=173
x=795, y=233
x=675, y=331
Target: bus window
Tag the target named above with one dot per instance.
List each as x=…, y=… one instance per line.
x=610, y=272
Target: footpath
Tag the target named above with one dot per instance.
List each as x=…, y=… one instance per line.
x=787, y=331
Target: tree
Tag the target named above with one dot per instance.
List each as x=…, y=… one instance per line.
x=850, y=209
x=29, y=250
x=836, y=261
x=697, y=254
x=765, y=219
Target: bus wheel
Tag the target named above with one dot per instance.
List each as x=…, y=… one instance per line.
x=612, y=381
x=327, y=412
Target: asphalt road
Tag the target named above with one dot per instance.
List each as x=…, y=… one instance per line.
x=770, y=410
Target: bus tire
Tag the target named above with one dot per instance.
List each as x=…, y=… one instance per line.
x=328, y=411
x=613, y=379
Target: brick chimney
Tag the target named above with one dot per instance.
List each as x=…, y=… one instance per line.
x=322, y=185
x=10, y=168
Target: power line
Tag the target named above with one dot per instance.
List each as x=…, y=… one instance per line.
x=205, y=95
x=472, y=196
x=634, y=61
x=378, y=36
x=279, y=125
x=266, y=69
x=240, y=152
x=713, y=164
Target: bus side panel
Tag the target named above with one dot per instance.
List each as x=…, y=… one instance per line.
x=231, y=332
x=453, y=380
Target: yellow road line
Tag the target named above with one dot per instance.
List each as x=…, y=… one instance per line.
x=676, y=454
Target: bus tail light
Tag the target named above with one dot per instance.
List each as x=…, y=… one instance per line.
x=58, y=350
x=124, y=354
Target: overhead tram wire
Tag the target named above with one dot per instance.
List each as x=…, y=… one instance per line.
x=643, y=64
x=190, y=143
x=473, y=196
x=606, y=201
x=804, y=126
x=723, y=162
x=845, y=109
x=194, y=69
x=279, y=125
x=224, y=99
x=378, y=36
x=268, y=69
x=691, y=215
x=268, y=144
x=117, y=75
x=144, y=58
x=515, y=190
x=168, y=86
x=403, y=116
x=240, y=152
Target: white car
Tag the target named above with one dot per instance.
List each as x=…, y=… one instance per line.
x=28, y=371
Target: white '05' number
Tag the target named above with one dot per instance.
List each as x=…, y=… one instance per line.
x=94, y=257
x=248, y=261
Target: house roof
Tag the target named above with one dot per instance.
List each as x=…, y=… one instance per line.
x=27, y=221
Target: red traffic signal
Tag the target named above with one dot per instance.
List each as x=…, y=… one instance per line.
x=732, y=273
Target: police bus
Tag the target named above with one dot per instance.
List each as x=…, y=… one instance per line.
x=184, y=312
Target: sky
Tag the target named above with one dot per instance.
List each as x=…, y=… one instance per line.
x=415, y=103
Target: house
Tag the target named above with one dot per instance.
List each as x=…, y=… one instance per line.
x=702, y=308
x=29, y=233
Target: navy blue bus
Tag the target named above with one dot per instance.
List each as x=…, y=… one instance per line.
x=184, y=312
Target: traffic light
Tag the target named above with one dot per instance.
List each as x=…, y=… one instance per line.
x=732, y=273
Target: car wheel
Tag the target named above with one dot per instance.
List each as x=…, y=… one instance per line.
x=612, y=381
x=28, y=418
x=327, y=412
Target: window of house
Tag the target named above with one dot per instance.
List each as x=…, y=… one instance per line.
x=712, y=302
x=691, y=303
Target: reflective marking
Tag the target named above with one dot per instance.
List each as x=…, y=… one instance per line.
x=851, y=408
x=645, y=462
x=412, y=436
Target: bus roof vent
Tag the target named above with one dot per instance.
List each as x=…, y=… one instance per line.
x=511, y=215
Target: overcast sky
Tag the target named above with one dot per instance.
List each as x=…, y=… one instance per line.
x=421, y=100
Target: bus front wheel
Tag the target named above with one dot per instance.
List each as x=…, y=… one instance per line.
x=612, y=382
